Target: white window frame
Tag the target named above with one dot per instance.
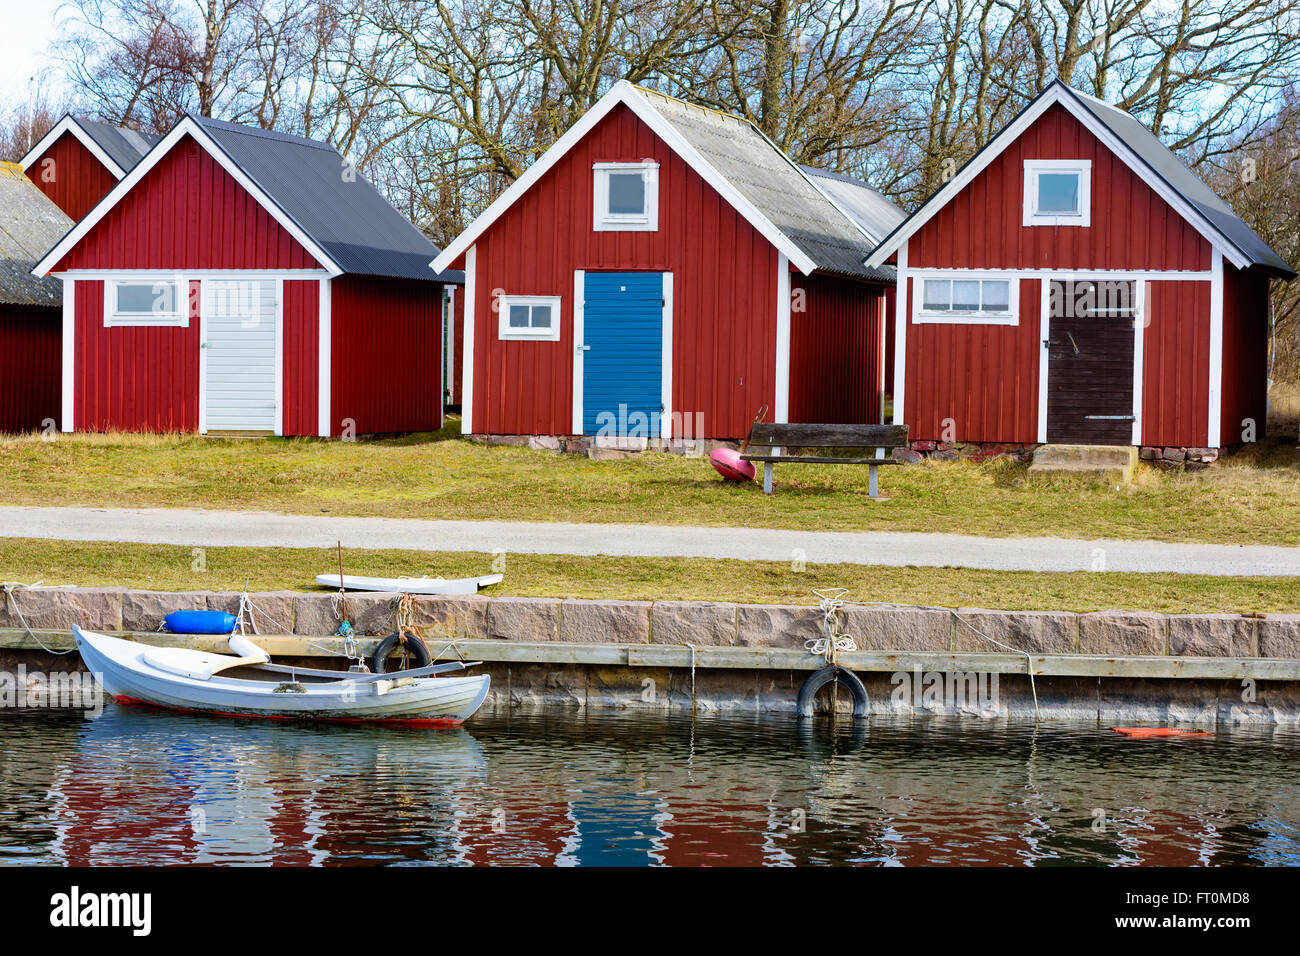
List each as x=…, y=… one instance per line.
x=1033, y=167
x=923, y=316
x=180, y=318
x=506, y=333
x=605, y=221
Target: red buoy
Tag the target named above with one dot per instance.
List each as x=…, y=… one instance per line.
x=730, y=465
x=1160, y=732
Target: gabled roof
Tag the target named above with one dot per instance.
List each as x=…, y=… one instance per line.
x=30, y=223
x=1141, y=150
x=874, y=214
x=310, y=189
x=790, y=208
x=117, y=148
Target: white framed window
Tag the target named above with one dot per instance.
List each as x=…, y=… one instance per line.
x=965, y=298
x=146, y=300
x=535, y=317
x=1058, y=192
x=626, y=197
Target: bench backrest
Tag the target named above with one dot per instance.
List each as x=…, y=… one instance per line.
x=828, y=436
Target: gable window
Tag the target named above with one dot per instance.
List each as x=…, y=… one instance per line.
x=535, y=317
x=961, y=298
x=144, y=301
x=626, y=197
x=1058, y=192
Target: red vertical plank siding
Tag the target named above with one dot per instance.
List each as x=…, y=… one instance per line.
x=71, y=176
x=386, y=354
x=1176, y=364
x=724, y=290
x=458, y=344
x=187, y=213
x=1245, y=352
x=31, y=357
x=134, y=378
x=982, y=377
x=1131, y=226
x=300, y=341
x=835, y=344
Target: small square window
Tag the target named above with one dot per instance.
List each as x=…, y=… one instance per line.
x=1057, y=192
x=529, y=317
x=626, y=197
x=938, y=295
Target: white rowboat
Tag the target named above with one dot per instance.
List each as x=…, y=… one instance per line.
x=357, y=582
x=249, y=686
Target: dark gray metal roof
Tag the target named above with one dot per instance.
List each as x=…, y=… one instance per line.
x=330, y=201
x=776, y=187
x=125, y=147
x=1164, y=164
x=30, y=224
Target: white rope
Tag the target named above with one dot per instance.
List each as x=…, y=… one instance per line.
x=10, y=587
x=833, y=642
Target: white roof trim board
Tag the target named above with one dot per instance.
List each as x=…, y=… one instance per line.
x=640, y=103
x=186, y=126
x=1073, y=101
x=69, y=124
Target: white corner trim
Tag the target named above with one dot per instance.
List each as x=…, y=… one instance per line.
x=900, y=336
x=781, y=413
x=1140, y=320
x=1215, y=423
x=203, y=358
x=1030, y=214
x=666, y=362
x=279, y=356
x=68, y=410
x=1044, y=352
x=1056, y=92
x=579, y=329
x=69, y=124
x=186, y=126
x=324, y=357
x=625, y=93
x=467, y=352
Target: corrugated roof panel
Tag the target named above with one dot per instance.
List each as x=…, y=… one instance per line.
x=124, y=146
x=30, y=224
x=766, y=177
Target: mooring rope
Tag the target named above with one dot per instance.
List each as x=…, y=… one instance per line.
x=9, y=588
x=829, y=647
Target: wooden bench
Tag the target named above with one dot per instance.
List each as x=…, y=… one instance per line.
x=777, y=437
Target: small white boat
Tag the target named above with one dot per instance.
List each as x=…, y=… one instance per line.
x=357, y=582
x=249, y=685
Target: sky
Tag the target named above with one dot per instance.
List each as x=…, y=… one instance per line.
x=28, y=28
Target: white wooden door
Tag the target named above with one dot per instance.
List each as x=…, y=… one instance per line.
x=241, y=354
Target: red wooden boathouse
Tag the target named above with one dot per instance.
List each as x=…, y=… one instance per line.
x=79, y=160
x=664, y=271
x=1076, y=283
x=240, y=280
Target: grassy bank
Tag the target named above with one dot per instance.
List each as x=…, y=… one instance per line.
x=1252, y=498
x=161, y=567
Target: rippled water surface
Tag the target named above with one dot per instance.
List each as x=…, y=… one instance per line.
x=564, y=788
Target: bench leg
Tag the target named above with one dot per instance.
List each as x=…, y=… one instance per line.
x=871, y=481
x=767, y=477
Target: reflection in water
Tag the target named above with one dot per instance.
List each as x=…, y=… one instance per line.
x=573, y=789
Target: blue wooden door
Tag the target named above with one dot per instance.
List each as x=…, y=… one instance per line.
x=622, y=365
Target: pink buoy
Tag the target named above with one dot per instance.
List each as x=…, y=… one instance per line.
x=730, y=465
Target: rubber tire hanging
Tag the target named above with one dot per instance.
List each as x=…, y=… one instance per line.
x=832, y=673
x=416, y=650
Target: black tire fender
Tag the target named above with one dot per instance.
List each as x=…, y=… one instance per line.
x=415, y=648
x=832, y=673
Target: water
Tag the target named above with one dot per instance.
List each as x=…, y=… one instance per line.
x=566, y=788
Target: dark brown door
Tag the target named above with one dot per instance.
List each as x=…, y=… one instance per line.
x=1090, y=362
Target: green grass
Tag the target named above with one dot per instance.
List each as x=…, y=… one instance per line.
x=160, y=567
x=1252, y=498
